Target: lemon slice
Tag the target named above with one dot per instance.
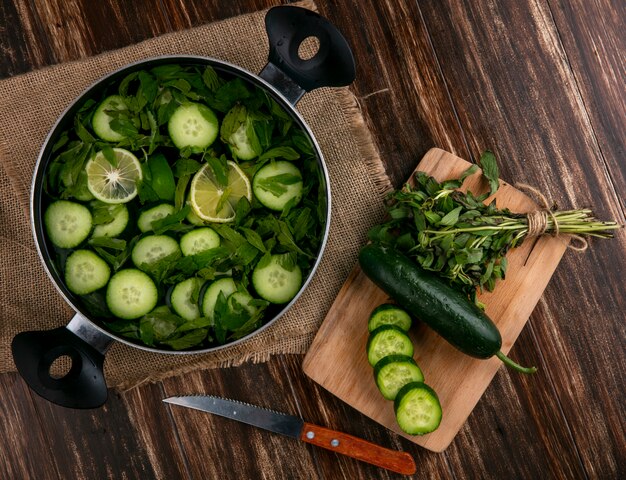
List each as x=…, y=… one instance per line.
x=113, y=183
x=207, y=195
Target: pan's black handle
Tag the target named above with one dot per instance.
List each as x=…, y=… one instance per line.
x=331, y=66
x=84, y=385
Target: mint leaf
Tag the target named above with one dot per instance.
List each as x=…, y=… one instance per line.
x=254, y=239
x=210, y=79
x=171, y=222
x=286, y=153
x=451, y=217
x=188, y=340
x=490, y=169
x=220, y=169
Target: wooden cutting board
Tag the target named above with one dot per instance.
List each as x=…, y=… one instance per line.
x=337, y=359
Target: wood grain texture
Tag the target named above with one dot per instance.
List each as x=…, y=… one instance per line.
x=540, y=82
x=592, y=36
x=189, y=13
x=22, y=48
x=458, y=379
x=156, y=431
x=21, y=434
x=45, y=441
x=399, y=84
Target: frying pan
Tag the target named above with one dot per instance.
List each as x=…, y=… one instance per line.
x=85, y=340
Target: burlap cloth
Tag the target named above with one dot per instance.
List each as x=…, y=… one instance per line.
x=30, y=104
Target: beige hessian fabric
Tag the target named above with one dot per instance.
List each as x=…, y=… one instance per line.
x=32, y=102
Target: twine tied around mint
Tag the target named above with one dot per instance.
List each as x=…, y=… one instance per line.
x=539, y=220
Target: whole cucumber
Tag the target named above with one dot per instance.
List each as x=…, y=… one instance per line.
x=433, y=301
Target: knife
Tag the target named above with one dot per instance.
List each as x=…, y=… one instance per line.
x=291, y=426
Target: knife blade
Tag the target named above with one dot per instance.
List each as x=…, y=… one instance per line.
x=295, y=427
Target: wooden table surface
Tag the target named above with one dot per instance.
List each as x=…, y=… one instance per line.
x=539, y=82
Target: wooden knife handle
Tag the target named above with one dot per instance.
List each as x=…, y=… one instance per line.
x=400, y=462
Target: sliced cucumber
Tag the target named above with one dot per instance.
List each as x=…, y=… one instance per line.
x=131, y=294
x=388, y=340
x=393, y=372
x=115, y=226
x=199, y=240
x=193, y=125
x=240, y=310
x=240, y=143
x=85, y=272
x=276, y=284
x=153, y=248
x=68, y=224
x=155, y=213
x=101, y=120
x=242, y=301
x=182, y=298
x=194, y=219
x=388, y=314
x=225, y=285
x=278, y=183
x=82, y=193
x=417, y=408
x=237, y=130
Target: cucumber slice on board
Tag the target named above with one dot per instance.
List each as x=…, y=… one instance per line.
x=193, y=125
x=224, y=285
x=389, y=314
x=199, y=240
x=153, y=248
x=101, y=120
x=274, y=283
x=68, y=224
x=155, y=213
x=388, y=340
x=182, y=298
x=131, y=294
x=116, y=226
x=277, y=184
x=393, y=372
x=86, y=272
x=417, y=408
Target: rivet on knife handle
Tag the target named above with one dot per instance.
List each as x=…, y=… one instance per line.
x=400, y=462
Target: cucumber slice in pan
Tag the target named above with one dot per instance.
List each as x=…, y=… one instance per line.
x=116, y=226
x=199, y=240
x=85, y=272
x=155, y=213
x=131, y=294
x=193, y=125
x=278, y=183
x=68, y=224
x=182, y=298
x=224, y=285
x=274, y=283
x=153, y=248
